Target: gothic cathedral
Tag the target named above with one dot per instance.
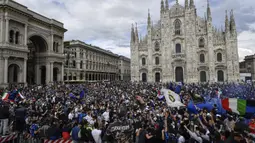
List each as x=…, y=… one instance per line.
x=183, y=47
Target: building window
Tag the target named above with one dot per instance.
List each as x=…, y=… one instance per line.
x=17, y=38
x=11, y=36
x=219, y=57
x=74, y=64
x=202, y=58
x=143, y=61
x=54, y=45
x=157, y=60
x=178, y=48
x=157, y=46
x=177, y=26
x=81, y=65
x=201, y=43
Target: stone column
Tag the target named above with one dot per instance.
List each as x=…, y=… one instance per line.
x=6, y=70
x=48, y=72
x=51, y=42
x=62, y=72
x=38, y=74
x=25, y=36
x=1, y=24
x=7, y=30
x=25, y=71
x=51, y=71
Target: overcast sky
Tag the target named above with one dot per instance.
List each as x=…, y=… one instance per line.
x=107, y=23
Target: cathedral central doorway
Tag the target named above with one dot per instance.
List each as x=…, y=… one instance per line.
x=179, y=74
x=36, y=45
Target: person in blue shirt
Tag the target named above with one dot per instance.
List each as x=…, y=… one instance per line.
x=75, y=133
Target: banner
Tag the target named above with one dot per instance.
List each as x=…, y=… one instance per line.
x=172, y=99
x=120, y=131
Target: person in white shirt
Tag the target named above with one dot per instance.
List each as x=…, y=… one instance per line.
x=106, y=115
x=70, y=115
x=96, y=133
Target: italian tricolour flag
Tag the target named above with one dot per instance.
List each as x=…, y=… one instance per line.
x=5, y=96
x=238, y=106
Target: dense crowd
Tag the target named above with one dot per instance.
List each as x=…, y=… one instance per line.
x=124, y=112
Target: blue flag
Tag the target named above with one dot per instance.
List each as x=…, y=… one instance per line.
x=82, y=94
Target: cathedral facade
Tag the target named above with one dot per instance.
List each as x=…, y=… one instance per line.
x=185, y=47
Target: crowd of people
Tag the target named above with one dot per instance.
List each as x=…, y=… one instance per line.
x=123, y=112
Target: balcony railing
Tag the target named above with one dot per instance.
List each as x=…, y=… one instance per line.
x=178, y=56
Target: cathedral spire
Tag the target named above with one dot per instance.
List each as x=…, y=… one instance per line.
x=177, y=2
x=132, y=34
x=167, y=5
x=149, y=19
x=162, y=9
x=226, y=22
x=209, y=16
x=136, y=33
x=232, y=21
x=191, y=3
x=186, y=4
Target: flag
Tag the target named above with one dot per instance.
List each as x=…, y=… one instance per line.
x=20, y=95
x=239, y=106
x=159, y=95
x=71, y=95
x=13, y=95
x=178, y=88
x=5, y=96
x=172, y=99
x=82, y=94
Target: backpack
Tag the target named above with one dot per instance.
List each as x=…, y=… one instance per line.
x=86, y=134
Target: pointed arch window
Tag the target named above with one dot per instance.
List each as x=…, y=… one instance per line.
x=201, y=43
x=11, y=36
x=219, y=57
x=177, y=26
x=202, y=58
x=143, y=61
x=178, y=48
x=157, y=46
x=157, y=60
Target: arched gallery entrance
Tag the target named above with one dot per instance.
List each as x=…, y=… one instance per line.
x=55, y=74
x=35, y=72
x=144, y=77
x=157, y=77
x=13, y=73
x=178, y=74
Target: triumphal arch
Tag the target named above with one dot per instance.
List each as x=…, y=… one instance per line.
x=31, y=46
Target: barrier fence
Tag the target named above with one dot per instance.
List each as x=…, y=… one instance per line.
x=27, y=138
x=9, y=138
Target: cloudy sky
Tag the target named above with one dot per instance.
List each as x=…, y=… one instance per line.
x=107, y=23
